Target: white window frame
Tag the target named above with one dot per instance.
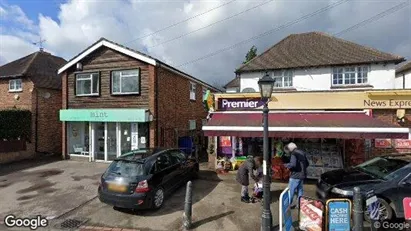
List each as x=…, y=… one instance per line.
x=13, y=82
x=345, y=72
x=90, y=78
x=125, y=76
x=283, y=79
x=193, y=89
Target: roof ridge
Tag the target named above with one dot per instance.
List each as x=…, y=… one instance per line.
x=282, y=40
x=29, y=63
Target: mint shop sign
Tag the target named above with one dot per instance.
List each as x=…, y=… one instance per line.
x=233, y=104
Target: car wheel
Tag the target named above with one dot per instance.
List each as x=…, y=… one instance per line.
x=385, y=211
x=158, y=198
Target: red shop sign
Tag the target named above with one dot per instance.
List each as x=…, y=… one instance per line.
x=402, y=143
x=383, y=143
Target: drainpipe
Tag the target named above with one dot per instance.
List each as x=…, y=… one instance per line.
x=156, y=107
x=36, y=121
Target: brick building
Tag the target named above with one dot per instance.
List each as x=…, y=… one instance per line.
x=32, y=83
x=116, y=99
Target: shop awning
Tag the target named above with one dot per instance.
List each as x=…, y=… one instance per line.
x=342, y=125
x=105, y=115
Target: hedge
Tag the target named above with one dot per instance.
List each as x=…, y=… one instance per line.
x=15, y=124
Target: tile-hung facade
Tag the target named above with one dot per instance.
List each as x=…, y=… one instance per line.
x=319, y=62
x=116, y=99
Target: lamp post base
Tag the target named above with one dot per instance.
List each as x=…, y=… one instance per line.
x=266, y=221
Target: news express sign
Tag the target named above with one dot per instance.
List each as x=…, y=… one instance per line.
x=338, y=214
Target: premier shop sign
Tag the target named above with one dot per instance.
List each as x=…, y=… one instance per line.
x=235, y=104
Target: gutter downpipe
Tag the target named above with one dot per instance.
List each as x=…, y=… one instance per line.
x=156, y=106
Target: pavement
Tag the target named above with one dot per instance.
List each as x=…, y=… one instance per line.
x=65, y=192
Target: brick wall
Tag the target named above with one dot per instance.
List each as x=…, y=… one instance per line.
x=7, y=101
x=175, y=108
x=48, y=122
x=390, y=116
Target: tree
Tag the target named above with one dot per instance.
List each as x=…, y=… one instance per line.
x=250, y=54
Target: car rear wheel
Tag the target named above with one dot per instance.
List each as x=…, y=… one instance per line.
x=385, y=211
x=158, y=198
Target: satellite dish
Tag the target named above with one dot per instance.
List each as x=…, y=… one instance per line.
x=46, y=95
x=248, y=90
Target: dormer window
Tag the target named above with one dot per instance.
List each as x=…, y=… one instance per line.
x=355, y=75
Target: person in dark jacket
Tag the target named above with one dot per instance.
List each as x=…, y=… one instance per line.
x=245, y=171
x=298, y=167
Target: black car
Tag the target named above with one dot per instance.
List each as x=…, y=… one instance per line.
x=141, y=179
x=388, y=177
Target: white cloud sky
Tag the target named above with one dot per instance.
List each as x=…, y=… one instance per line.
x=82, y=22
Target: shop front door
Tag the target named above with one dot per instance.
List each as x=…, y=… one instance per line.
x=98, y=136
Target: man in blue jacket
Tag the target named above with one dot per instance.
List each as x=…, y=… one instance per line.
x=298, y=168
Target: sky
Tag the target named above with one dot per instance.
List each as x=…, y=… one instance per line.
x=205, y=38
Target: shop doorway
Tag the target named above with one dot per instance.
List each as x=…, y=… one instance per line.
x=98, y=138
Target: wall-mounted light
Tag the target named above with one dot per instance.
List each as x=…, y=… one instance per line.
x=16, y=97
x=79, y=66
x=400, y=115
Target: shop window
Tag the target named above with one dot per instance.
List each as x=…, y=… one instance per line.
x=78, y=138
x=125, y=82
x=15, y=85
x=283, y=78
x=192, y=91
x=350, y=75
x=87, y=84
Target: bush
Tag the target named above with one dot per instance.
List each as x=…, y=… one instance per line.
x=15, y=124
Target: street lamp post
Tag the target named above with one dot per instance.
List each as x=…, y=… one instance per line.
x=266, y=84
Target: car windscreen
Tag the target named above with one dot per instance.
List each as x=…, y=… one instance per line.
x=124, y=168
x=399, y=174
x=381, y=167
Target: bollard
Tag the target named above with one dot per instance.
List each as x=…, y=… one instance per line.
x=188, y=206
x=358, y=210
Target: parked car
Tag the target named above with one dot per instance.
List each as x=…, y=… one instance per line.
x=141, y=179
x=388, y=177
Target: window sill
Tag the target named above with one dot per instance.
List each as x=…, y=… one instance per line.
x=352, y=86
x=285, y=89
x=93, y=95
x=192, y=100
x=125, y=94
x=16, y=91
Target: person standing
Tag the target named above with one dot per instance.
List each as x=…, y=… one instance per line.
x=245, y=171
x=298, y=167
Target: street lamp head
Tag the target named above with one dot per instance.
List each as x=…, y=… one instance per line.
x=266, y=84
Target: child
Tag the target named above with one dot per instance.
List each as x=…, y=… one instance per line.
x=258, y=187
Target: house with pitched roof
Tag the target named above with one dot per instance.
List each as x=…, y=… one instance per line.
x=403, y=76
x=316, y=61
x=32, y=83
x=117, y=99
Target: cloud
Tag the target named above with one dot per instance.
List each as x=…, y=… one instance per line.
x=128, y=22
x=13, y=48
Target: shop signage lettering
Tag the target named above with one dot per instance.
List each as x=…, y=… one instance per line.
x=402, y=143
x=98, y=114
x=339, y=215
x=387, y=103
x=383, y=143
x=239, y=103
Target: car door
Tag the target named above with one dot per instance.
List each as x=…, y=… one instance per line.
x=183, y=165
x=167, y=170
x=403, y=190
